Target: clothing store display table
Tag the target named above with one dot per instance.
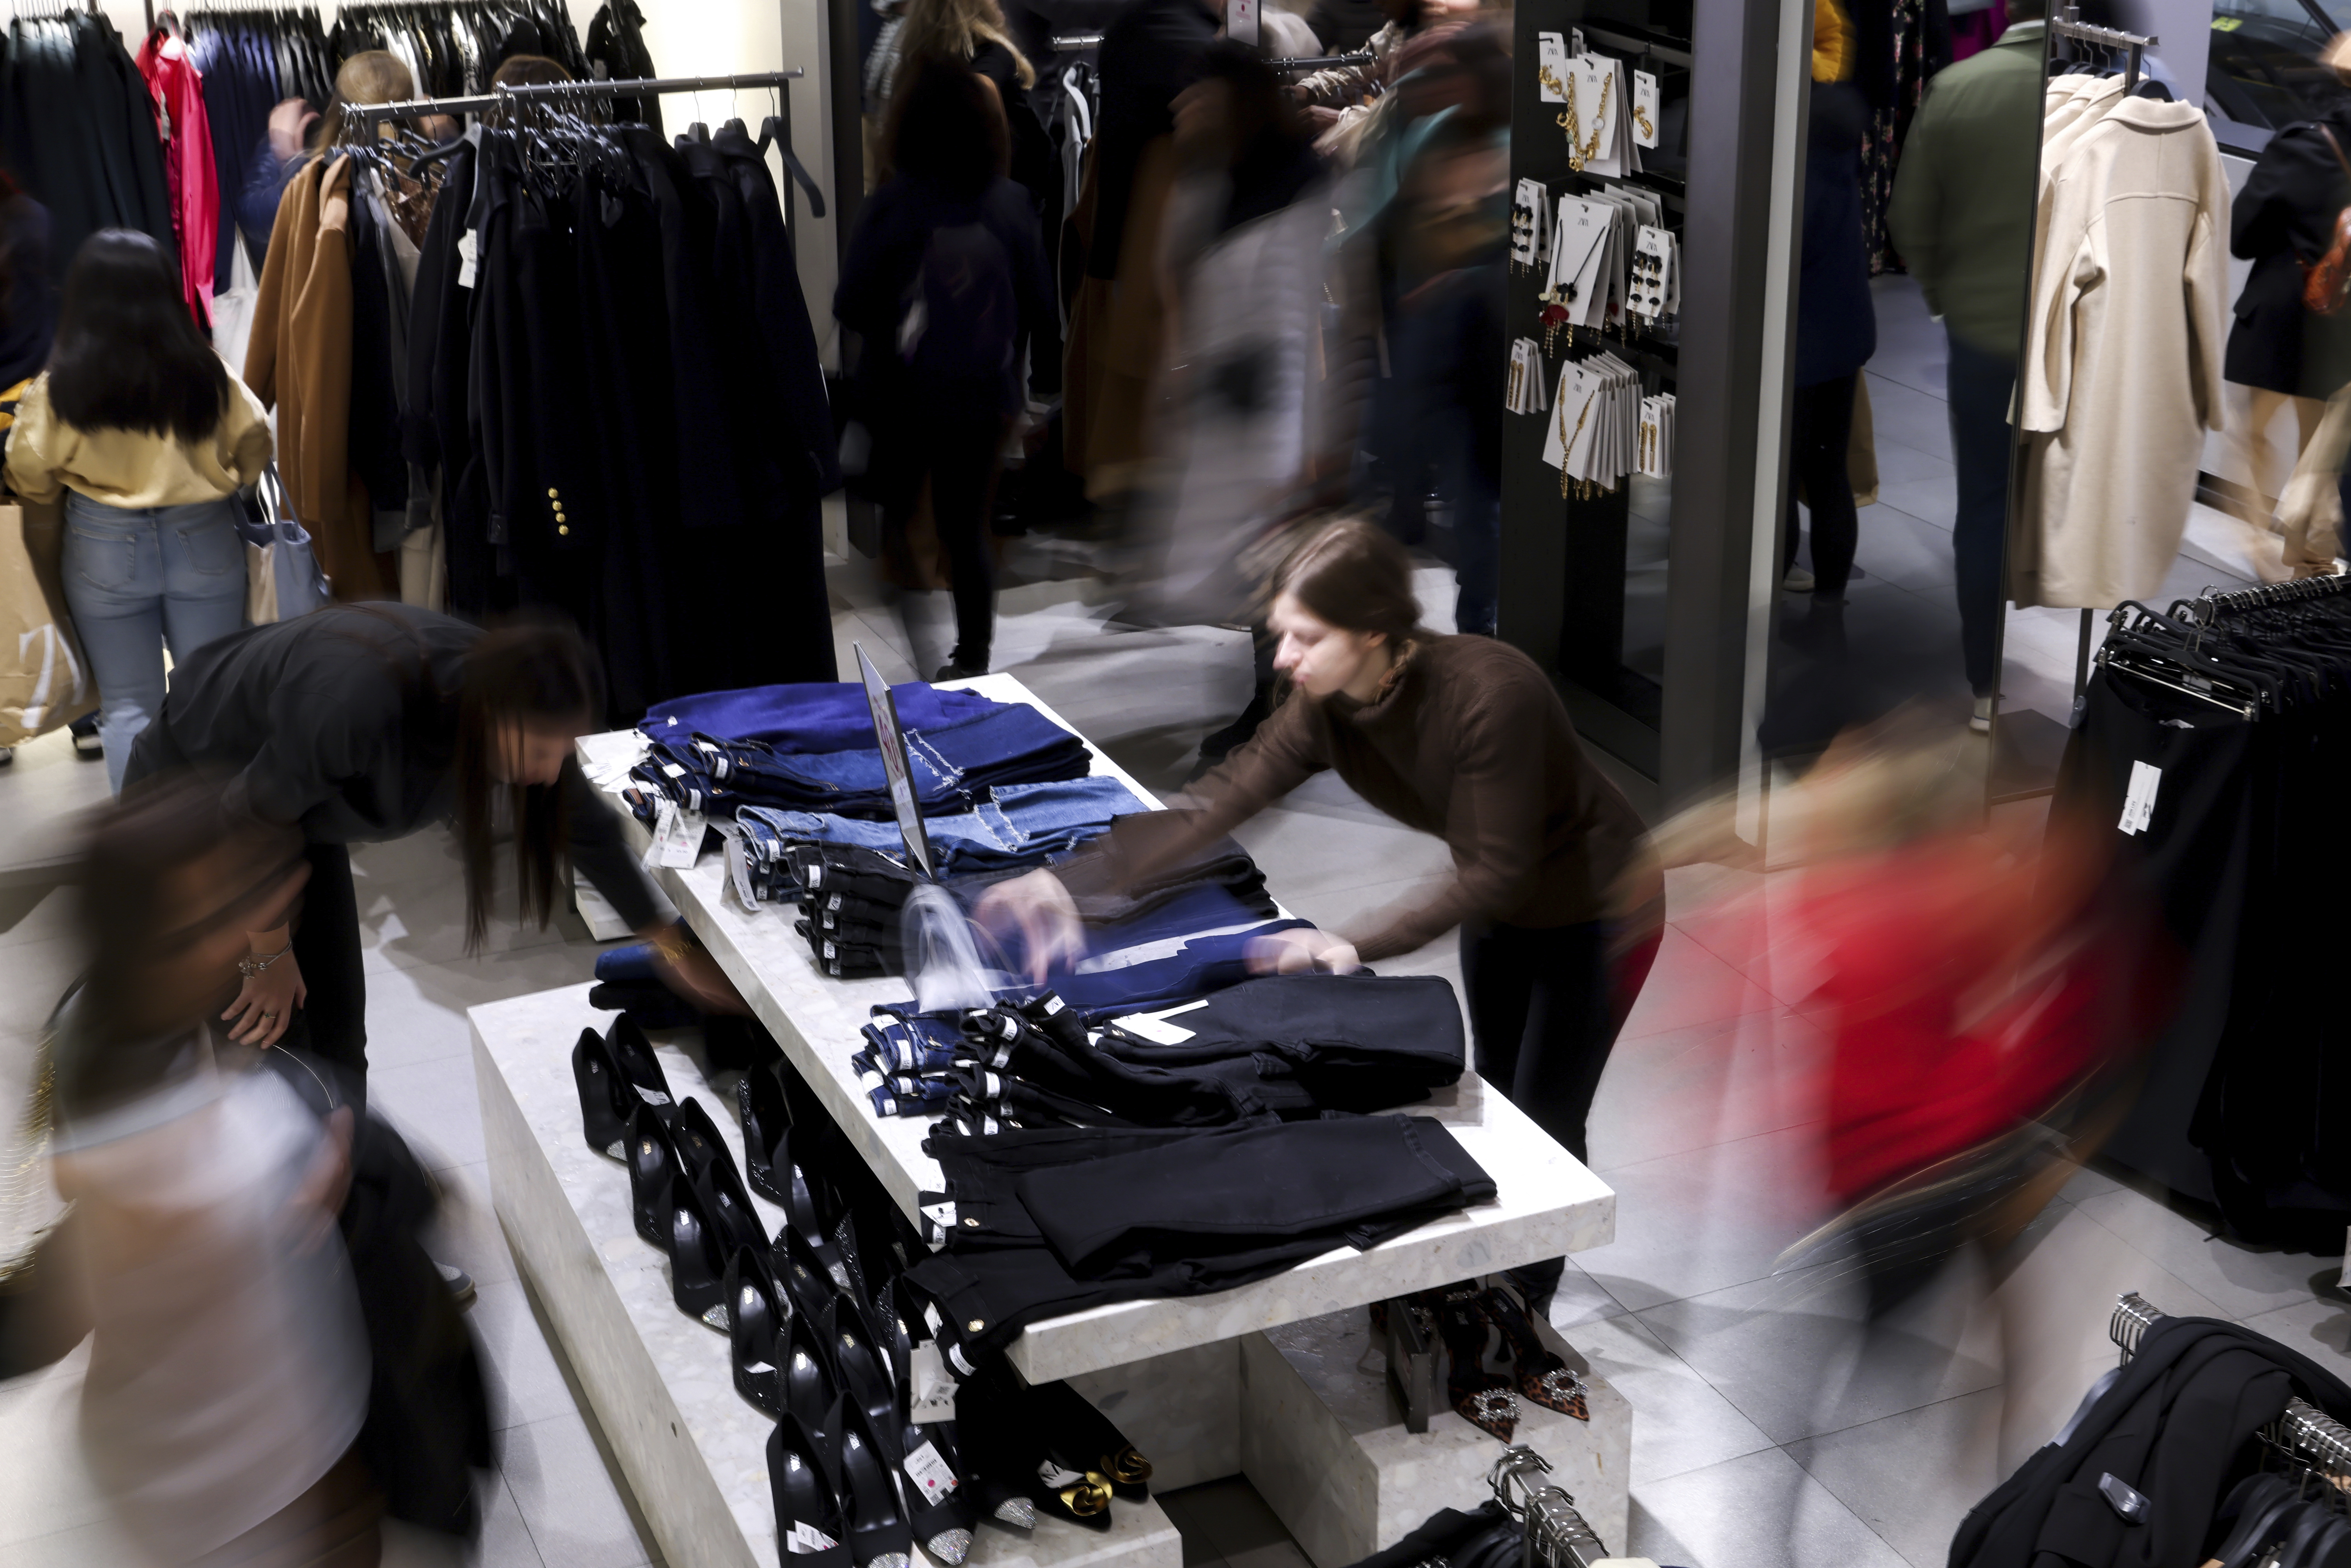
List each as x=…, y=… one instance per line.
x=1548, y=1203
x=1187, y=1379
x=693, y=1449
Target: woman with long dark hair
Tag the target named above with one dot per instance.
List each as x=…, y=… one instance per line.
x=147, y=435
x=945, y=282
x=1555, y=893
x=360, y=723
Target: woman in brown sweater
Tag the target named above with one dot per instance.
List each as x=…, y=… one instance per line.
x=1559, y=902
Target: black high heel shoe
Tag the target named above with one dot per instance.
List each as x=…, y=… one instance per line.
x=652, y=1170
x=936, y=1504
x=809, y=1530
x=1072, y=1418
x=809, y=1394
x=879, y=1535
x=606, y=1101
x=1483, y=1399
x=858, y=1367
x=697, y=1255
x=805, y=1211
x=1543, y=1377
x=632, y=1054
x=710, y=1169
x=799, y=1273
x=758, y=1321
x=767, y=1117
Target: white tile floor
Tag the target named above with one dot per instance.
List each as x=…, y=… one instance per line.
x=1763, y=1437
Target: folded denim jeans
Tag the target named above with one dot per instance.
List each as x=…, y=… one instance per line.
x=808, y=717
x=1017, y=825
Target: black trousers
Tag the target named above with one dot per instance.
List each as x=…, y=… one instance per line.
x=1543, y=1021
x=1054, y=1220
x=960, y=455
x=331, y=1025
x=1820, y=430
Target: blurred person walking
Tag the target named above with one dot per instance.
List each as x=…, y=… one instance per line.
x=946, y=284
x=1836, y=328
x=1118, y=341
x=1559, y=901
x=298, y=133
x=1445, y=253
x=147, y=436
x=1961, y=216
x=361, y=724
x=973, y=33
x=228, y=1379
x=1243, y=250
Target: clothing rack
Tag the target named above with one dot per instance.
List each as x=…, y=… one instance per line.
x=2071, y=25
x=1323, y=62
x=2207, y=608
x=367, y=115
x=2135, y=46
x=1555, y=1534
x=2304, y=1431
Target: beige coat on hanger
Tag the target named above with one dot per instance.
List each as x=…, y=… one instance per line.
x=2122, y=369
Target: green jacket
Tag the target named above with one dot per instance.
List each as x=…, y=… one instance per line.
x=1962, y=215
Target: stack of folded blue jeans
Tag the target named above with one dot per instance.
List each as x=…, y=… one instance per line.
x=1007, y=827
x=812, y=716
x=953, y=769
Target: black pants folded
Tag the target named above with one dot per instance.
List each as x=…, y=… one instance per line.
x=1147, y=1213
x=1133, y=1212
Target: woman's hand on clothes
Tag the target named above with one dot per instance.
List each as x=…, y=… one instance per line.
x=694, y=974
x=1295, y=951
x=1041, y=911
x=266, y=1002
x=289, y=122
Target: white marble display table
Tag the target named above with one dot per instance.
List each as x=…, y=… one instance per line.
x=1194, y=1382
x=1548, y=1204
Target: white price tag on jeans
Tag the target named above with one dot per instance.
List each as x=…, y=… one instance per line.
x=932, y=1389
x=1155, y=1027
x=679, y=838
x=738, y=868
x=2138, y=800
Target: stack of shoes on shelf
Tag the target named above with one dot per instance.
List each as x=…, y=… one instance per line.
x=820, y=1330
x=1494, y=1358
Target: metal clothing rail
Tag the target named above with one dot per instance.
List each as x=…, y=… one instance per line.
x=369, y=115
x=2207, y=607
x=1553, y=1533
x=1323, y=62
x=2304, y=1430
x=643, y=87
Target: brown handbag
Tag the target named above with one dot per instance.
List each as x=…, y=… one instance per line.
x=2326, y=282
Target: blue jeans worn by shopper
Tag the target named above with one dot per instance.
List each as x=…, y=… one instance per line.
x=136, y=580
x=1979, y=384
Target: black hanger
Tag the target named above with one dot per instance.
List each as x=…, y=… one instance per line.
x=2153, y=89
x=773, y=129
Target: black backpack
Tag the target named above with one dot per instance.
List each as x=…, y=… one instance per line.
x=960, y=320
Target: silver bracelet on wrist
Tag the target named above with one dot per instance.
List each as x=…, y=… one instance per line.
x=250, y=967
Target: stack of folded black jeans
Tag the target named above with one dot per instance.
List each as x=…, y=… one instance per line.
x=1290, y=1046
x=953, y=769
x=1042, y=1222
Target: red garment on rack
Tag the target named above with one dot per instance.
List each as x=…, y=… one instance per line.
x=178, y=89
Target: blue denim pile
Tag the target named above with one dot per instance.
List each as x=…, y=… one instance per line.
x=954, y=770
